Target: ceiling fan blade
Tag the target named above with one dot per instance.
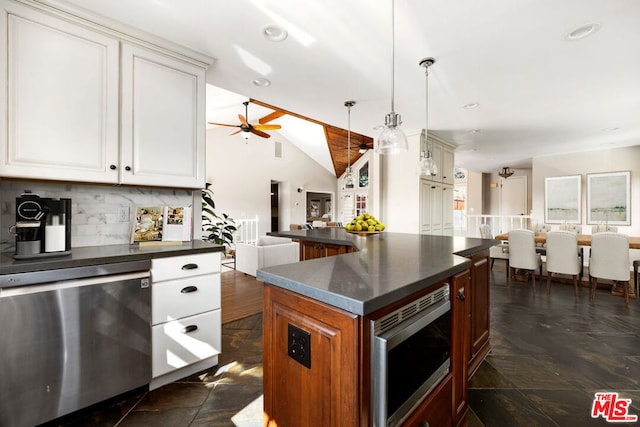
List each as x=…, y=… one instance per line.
x=223, y=124
x=236, y=132
x=271, y=116
x=243, y=120
x=267, y=127
x=260, y=133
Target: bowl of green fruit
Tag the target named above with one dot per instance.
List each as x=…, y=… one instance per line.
x=364, y=225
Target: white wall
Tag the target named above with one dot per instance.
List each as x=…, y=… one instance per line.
x=610, y=160
x=400, y=189
x=241, y=173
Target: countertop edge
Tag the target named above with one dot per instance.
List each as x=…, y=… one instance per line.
x=108, y=254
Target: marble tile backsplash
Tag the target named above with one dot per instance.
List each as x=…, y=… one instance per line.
x=95, y=218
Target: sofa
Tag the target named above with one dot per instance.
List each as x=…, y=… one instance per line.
x=267, y=252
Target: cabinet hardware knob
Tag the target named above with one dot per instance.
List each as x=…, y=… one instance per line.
x=112, y=167
x=188, y=289
x=433, y=186
x=190, y=266
x=460, y=297
x=189, y=328
x=127, y=168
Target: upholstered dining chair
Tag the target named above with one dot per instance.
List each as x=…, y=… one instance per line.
x=523, y=255
x=609, y=260
x=564, y=257
x=500, y=251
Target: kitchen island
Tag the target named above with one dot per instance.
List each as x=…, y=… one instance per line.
x=318, y=317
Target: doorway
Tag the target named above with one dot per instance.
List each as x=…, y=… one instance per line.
x=513, y=199
x=275, y=206
x=319, y=206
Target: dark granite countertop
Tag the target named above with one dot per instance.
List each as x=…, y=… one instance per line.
x=95, y=255
x=385, y=268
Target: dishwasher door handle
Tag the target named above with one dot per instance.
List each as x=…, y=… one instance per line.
x=54, y=286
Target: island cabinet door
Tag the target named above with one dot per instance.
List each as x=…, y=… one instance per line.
x=312, y=250
x=460, y=344
x=478, y=296
x=310, y=362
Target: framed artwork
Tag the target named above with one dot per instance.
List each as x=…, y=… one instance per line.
x=562, y=200
x=609, y=198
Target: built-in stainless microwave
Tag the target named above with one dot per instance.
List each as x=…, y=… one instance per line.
x=411, y=355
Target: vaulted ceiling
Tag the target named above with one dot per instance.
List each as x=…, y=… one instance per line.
x=512, y=79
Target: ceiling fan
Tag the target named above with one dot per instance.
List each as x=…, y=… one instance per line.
x=247, y=128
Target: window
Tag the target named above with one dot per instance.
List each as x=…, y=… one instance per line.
x=361, y=204
x=363, y=176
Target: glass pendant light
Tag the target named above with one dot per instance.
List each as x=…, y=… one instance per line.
x=348, y=180
x=426, y=166
x=392, y=140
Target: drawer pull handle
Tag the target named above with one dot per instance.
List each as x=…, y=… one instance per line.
x=190, y=266
x=189, y=328
x=188, y=289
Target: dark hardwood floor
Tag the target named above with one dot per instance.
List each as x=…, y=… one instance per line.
x=549, y=355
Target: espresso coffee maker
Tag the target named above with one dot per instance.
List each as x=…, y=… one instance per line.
x=43, y=226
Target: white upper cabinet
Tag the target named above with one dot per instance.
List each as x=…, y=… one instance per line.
x=163, y=129
x=60, y=99
x=82, y=101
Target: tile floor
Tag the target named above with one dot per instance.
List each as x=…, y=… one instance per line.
x=549, y=355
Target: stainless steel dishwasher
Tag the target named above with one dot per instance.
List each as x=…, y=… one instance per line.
x=72, y=337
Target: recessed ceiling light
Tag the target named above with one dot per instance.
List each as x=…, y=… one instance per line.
x=274, y=33
x=610, y=129
x=475, y=131
x=582, y=31
x=470, y=105
x=262, y=82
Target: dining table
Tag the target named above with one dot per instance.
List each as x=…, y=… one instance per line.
x=583, y=239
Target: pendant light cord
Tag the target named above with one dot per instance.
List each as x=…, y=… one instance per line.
x=393, y=55
x=349, y=138
x=426, y=109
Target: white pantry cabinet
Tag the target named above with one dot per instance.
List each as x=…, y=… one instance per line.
x=186, y=316
x=90, y=103
x=436, y=208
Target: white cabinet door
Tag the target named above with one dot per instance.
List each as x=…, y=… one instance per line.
x=447, y=210
x=447, y=166
x=163, y=129
x=60, y=100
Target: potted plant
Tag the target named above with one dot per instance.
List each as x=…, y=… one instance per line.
x=215, y=228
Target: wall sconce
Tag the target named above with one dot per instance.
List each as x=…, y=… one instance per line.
x=505, y=173
x=300, y=189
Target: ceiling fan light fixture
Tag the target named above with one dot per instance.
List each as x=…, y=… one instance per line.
x=362, y=148
x=505, y=173
x=392, y=140
x=245, y=134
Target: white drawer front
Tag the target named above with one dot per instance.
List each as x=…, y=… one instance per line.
x=183, y=342
x=175, y=299
x=184, y=266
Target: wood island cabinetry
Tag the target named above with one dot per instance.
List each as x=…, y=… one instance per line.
x=312, y=250
x=342, y=337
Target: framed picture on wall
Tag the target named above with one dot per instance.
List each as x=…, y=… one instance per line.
x=609, y=198
x=562, y=200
